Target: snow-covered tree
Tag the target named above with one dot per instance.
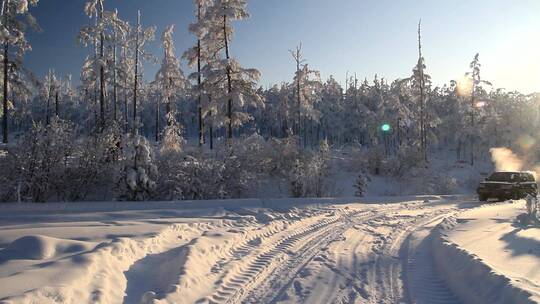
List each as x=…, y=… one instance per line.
x=50, y=89
x=170, y=80
x=476, y=91
x=41, y=158
x=196, y=56
x=105, y=35
x=96, y=34
x=138, y=179
x=231, y=87
x=120, y=30
x=420, y=82
x=141, y=37
x=14, y=20
x=307, y=88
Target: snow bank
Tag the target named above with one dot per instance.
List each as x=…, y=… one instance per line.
x=470, y=277
x=96, y=275
x=39, y=247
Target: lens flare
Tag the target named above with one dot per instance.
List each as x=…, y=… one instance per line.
x=480, y=104
x=385, y=127
x=464, y=86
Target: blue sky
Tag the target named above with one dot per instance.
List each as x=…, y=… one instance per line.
x=338, y=36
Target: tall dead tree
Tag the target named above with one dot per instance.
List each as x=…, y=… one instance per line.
x=115, y=72
x=422, y=84
x=136, y=83
x=6, y=79
x=229, y=80
x=199, y=80
x=299, y=60
x=101, y=67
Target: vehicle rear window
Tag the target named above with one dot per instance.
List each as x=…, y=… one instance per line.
x=502, y=177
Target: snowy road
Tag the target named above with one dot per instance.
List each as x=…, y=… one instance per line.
x=347, y=253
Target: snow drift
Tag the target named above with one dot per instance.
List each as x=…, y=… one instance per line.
x=468, y=276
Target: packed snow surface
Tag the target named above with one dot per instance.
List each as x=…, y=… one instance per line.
x=486, y=249
x=373, y=250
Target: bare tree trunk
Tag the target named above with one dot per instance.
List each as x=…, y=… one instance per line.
x=5, y=97
x=126, y=109
x=471, y=136
x=101, y=69
x=422, y=95
x=157, y=119
x=168, y=107
x=199, y=82
x=135, y=89
x=115, y=84
x=229, y=80
x=48, y=108
x=211, y=132
x=57, y=106
x=5, y=140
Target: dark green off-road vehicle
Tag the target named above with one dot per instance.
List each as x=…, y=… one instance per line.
x=507, y=185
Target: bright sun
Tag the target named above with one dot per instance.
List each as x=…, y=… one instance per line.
x=464, y=86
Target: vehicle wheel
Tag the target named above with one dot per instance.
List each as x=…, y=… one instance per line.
x=482, y=197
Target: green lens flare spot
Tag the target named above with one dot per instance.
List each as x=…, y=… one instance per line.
x=385, y=127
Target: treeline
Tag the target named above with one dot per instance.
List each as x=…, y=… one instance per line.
x=117, y=128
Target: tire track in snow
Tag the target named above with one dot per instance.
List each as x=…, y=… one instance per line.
x=424, y=285
x=282, y=278
x=389, y=266
x=368, y=265
x=235, y=284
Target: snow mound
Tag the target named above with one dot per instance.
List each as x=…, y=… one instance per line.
x=468, y=276
x=39, y=247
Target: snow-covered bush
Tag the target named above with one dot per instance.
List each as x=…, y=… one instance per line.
x=428, y=181
x=172, y=140
x=95, y=162
x=137, y=181
x=9, y=186
x=361, y=184
x=310, y=174
x=375, y=160
x=40, y=160
x=407, y=159
x=189, y=177
x=297, y=179
x=445, y=184
x=282, y=154
x=355, y=159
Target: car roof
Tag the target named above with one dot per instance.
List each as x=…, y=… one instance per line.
x=514, y=172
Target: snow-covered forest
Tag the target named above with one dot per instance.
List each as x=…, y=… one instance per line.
x=213, y=131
